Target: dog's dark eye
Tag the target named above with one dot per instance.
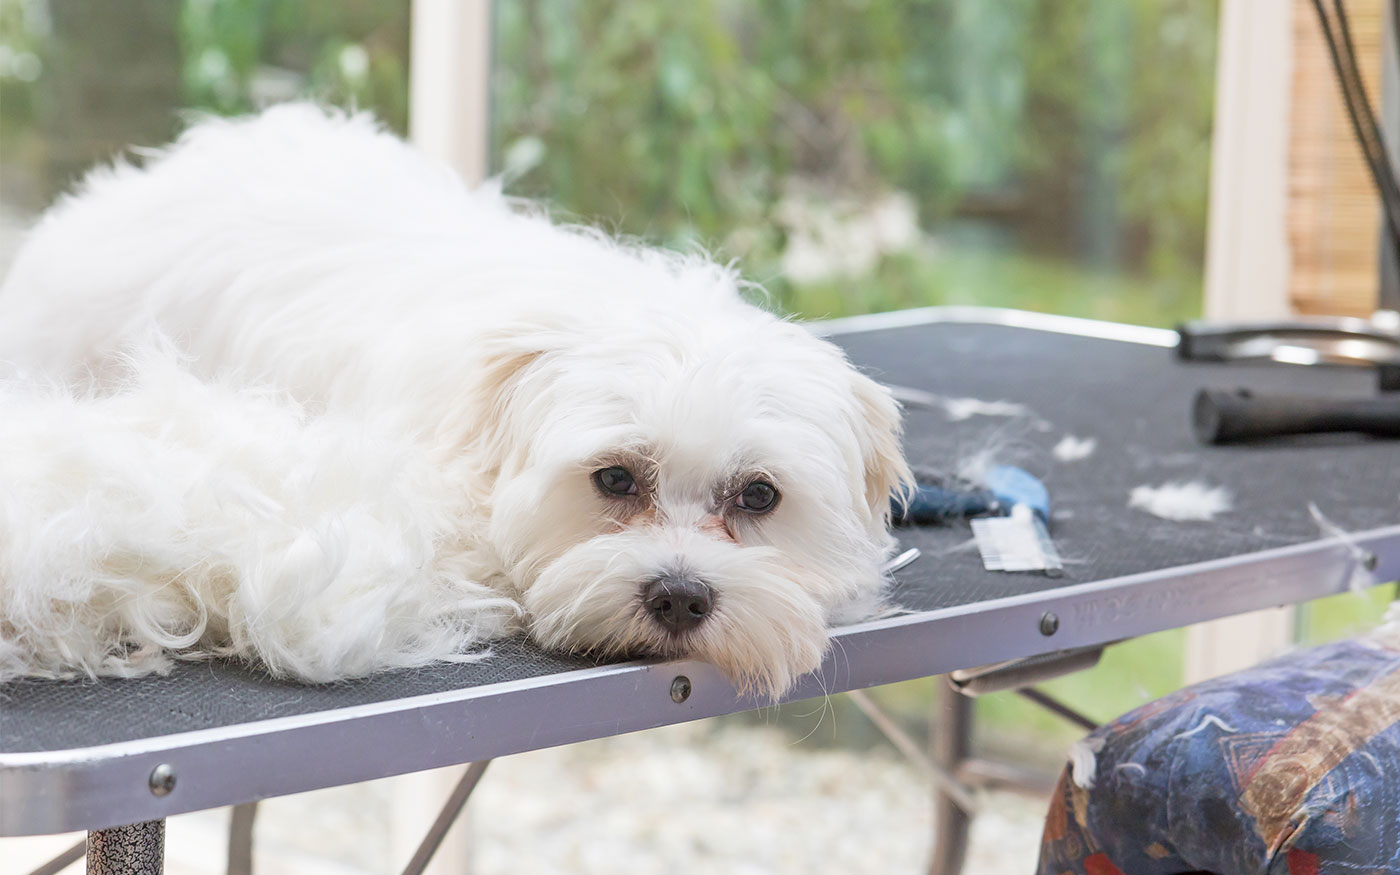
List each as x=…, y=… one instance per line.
x=758, y=497
x=615, y=481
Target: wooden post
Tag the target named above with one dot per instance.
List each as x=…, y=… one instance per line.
x=449, y=118
x=450, y=83
x=1247, y=252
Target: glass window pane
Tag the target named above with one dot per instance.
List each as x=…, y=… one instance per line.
x=863, y=156
x=81, y=81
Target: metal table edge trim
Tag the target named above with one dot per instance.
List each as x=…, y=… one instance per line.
x=960, y=315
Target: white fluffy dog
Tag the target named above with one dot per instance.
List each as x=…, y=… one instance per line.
x=291, y=392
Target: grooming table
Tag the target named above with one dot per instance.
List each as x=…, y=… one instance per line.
x=83, y=755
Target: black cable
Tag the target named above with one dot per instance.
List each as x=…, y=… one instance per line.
x=1383, y=170
x=1377, y=144
x=1357, y=102
x=1395, y=22
x=1368, y=135
x=1363, y=120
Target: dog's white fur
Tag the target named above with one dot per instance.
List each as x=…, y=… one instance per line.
x=291, y=392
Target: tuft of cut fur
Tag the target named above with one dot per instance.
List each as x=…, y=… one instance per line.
x=291, y=392
x=1181, y=502
x=1073, y=449
x=1084, y=760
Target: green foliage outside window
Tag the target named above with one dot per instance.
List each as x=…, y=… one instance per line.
x=853, y=154
x=1075, y=131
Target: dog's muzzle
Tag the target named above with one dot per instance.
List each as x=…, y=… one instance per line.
x=677, y=602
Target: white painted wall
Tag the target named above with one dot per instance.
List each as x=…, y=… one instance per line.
x=449, y=82
x=449, y=118
x=1247, y=236
x=1247, y=257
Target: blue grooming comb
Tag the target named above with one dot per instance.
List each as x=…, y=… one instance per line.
x=1003, y=487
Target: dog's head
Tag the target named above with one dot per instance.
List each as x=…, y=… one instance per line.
x=713, y=484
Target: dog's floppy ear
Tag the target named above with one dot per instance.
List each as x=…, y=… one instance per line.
x=506, y=361
x=879, y=431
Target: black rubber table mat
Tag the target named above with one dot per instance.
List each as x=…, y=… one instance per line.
x=1133, y=399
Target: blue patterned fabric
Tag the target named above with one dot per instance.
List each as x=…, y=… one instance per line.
x=1289, y=768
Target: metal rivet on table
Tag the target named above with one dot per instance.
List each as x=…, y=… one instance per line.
x=680, y=689
x=1049, y=623
x=162, y=780
x=1370, y=560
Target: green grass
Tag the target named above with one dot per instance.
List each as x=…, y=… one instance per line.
x=999, y=279
x=1343, y=616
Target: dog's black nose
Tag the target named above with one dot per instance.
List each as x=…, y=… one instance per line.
x=679, y=603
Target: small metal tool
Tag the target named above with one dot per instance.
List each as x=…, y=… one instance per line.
x=1373, y=342
x=903, y=560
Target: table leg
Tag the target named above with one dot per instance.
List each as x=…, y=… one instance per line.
x=450, y=810
x=136, y=849
x=950, y=744
x=63, y=860
x=240, y=839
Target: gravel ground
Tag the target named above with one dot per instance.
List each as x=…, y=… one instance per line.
x=696, y=798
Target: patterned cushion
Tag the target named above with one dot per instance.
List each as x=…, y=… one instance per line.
x=1289, y=768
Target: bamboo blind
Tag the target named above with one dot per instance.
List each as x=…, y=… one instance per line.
x=1333, y=211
